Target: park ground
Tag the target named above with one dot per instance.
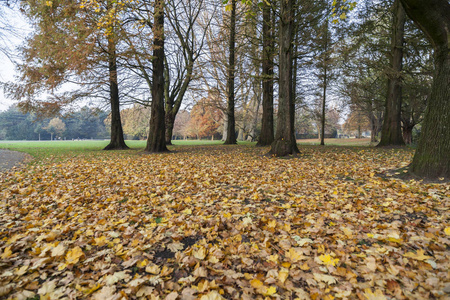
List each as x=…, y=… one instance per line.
x=211, y=221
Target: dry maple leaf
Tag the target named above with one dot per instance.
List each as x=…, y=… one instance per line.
x=327, y=259
x=420, y=255
x=73, y=255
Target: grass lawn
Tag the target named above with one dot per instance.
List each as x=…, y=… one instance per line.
x=45, y=149
x=53, y=149
x=337, y=142
x=212, y=222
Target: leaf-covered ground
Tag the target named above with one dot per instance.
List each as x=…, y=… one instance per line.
x=213, y=222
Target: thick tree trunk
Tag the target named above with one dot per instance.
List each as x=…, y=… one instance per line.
x=231, y=122
x=285, y=143
x=156, y=141
x=432, y=157
x=267, y=130
x=117, y=141
x=391, y=132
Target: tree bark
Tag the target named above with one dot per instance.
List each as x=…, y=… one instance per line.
x=432, y=157
x=170, y=122
x=156, y=141
x=231, y=122
x=117, y=141
x=407, y=134
x=267, y=130
x=325, y=83
x=374, y=127
x=391, y=132
x=285, y=143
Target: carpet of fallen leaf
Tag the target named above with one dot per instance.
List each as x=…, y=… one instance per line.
x=223, y=222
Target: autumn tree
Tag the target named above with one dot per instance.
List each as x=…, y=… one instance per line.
x=184, y=18
x=285, y=142
x=180, y=128
x=55, y=127
x=135, y=121
x=69, y=47
x=416, y=79
x=231, y=122
x=432, y=157
x=268, y=52
x=391, y=132
x=214, y=69
x=205, y=119
x=156, y=141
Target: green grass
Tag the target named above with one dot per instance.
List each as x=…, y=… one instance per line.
x=57, y=150
x=41, y=150
x=337, y=142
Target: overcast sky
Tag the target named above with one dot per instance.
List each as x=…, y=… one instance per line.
x=13, y=30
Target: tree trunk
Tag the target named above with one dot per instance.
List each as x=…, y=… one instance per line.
x=170, y=121
x=225, y=128
x=407, y=134
x=156, y=141
x=117, y=141
x=173, y=102
x=285, y=142
x=267, y=130
x=325, y=83
x=231, y=122
x=432, y=157
x=391, y=132
x=374, y=131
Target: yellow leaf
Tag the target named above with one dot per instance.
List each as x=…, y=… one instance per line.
x=142, y=264
x=92, y=289
x=7, y=252
x=22, y=270
x=165, y=271
x=270, y=291
x=305, y=267
x=272, y=224
x=283, y=275
x=328, y=260
x=199, y=252
x=153, y=269
x=187, y=211
x=419, y=256
x=255, y=283
x=378, y=295
x=100, y=241
x=273, y=258
x=447, y=231
x=74, y=255
x=294, y=255
x=62, y=266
